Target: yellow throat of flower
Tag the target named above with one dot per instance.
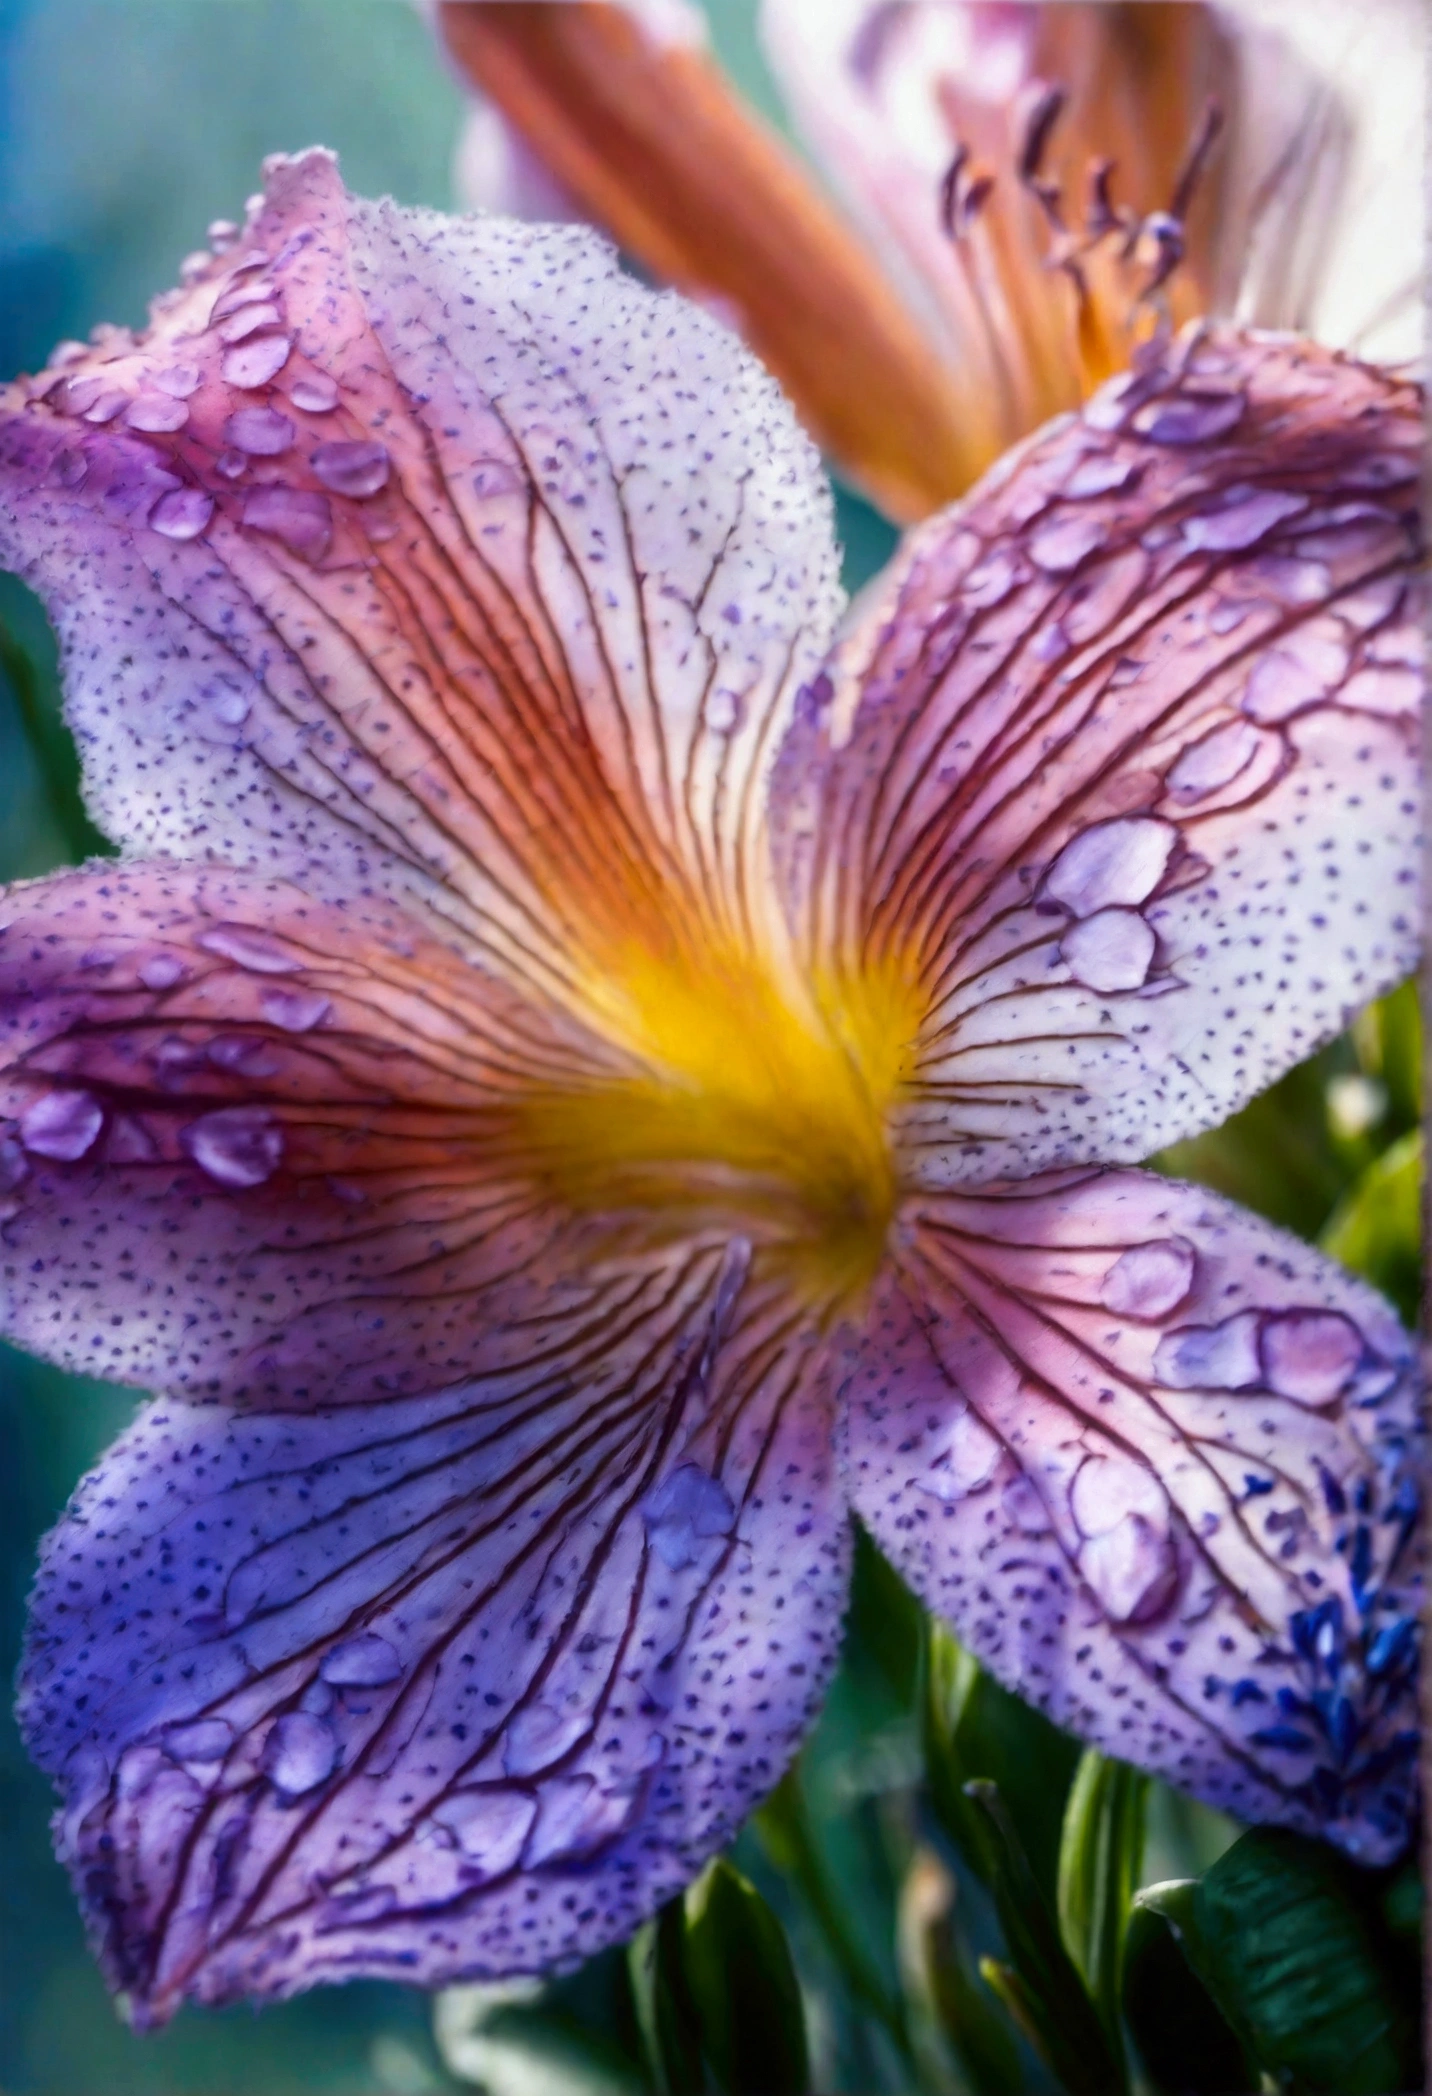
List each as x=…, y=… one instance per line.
x=757, y=1103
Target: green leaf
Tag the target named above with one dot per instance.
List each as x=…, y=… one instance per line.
x=940, y=1974
x=512, y=2039
x=975, y=1728
x=784, y=1828
x=1388, y=1038
x=1100, y=1857
x=36, y=701
x=1283, y=1934
x=1377, y=1228
x=665, y=2011
x=1185, y=2044
x=1053, y=2004
x=1277, y=1155
x=743, y=1984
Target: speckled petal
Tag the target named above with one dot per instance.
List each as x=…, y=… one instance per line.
x=450, y=1687
x=426, y=595
x=1116, y=777
x=265, y=1148
x=1157, y=1462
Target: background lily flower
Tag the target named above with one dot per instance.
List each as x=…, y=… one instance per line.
x=1030, y=186
x=578, y=1081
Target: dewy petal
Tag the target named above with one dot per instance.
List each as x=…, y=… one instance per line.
x=1157, y=1462
x=528, y=675
x=1113, y=784
x=643, y=131
x=258, y=1147
x=451, y=1687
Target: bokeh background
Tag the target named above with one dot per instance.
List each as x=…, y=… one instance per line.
x=125, y=126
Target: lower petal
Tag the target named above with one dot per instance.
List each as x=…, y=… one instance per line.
x=454, y=1686
x=1156, y=1461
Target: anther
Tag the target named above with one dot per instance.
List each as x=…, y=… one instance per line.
x=963, y=194
x=1044, y=102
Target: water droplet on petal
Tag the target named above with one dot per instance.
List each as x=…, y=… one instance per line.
x=1214, y=761
x=221, y=232
x=966, y=1463
x=540, y=1735
x=204, y=1739
x=365, y=1903
x=1193, y=418
x=160, y=971
x=240, y=295
x=1132, y=1569
x=1024, y=1507
x=61, y=1125
x=253, y=363
x=1211, y=1357
x=361, y=1662
x=575, y=1817
x=358, y=468
x=262, y=432
x=1111, y=950
x=69, y=469
x=493, y=478
x=1116, y=862
x=302, y=521
x=1149, y=1280
x=1281, y=684
x=106, y=405
x=181, y=514
x=1101, y=474
x=316, y=395
x=296, y=1011
x=250, y=949
x=722, y=711
x=179, y=379
x=249, y=321
x=238, y=1146
x=1061, y=545
x=1310, y=1355
x=232, y=464
x=1244, y=516
x=685, y=1513
x=156, y=413
x=489, y=1826
x=300, y=1753
x=989, y=582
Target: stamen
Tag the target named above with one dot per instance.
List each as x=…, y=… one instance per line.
x=1204, y=138
x=1044, y=104
x=1101, y=214
x=961, y=199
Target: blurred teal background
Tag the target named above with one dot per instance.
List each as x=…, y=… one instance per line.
x=125, y=126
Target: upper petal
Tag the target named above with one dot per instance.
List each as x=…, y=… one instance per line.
x=1115, y=778
x=1158, y=1463
x=429, y=555
x=451, y=1686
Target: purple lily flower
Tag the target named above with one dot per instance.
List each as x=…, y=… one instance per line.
x=582, y=1077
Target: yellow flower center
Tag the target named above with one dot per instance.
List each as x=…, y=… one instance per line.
x=758, y=1103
